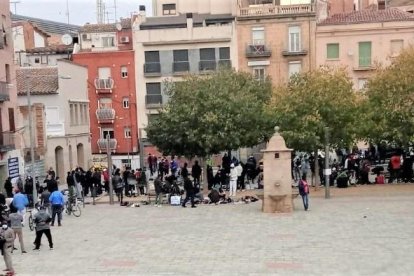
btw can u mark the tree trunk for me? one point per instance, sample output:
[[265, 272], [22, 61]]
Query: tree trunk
[[204, 175], [317, 179]]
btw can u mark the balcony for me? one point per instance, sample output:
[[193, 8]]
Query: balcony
[[4, 91], [290, 53], [253, 51], [275, 10], [102, 145], [105, 115], [224, 63], [207, 65], [55, 129], [152, 69], [104, 86], [364, 64], [181, 67], [153, 101], [7, 141]]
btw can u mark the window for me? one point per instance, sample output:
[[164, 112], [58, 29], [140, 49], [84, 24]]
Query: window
[[396, 47], [154, 88], [332, 51], [208, 54], [181, 63], [12, 124], [259, 73], [152, 56], [258, 36], [224, 53], [8, 77], [168, 9], [127, 132], [180, 55], [108, 41], [108, 131], [152, 62], [294, 67], [364, 54], [124, 72], [44, 59], [104, 73], [76, 117], [105, 103], [37, 60], [362, 83], [125, 102], [3, 34], [294, 39], [72, 113]]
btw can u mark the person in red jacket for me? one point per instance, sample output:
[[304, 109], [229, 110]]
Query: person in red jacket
[[394, 167], [304, 191]]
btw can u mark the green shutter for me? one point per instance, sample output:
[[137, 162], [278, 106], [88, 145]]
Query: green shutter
[[364, 54], [332, 51]]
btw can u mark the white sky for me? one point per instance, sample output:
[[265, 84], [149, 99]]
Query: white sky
[[80, 11]]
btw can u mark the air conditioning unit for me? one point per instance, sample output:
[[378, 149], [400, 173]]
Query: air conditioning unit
[[125, 39], [86, 37]]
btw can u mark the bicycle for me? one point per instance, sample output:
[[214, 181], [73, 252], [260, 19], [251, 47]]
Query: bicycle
[[72, 206]]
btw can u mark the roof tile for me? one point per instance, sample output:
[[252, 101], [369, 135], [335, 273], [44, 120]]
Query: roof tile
[[41, 81]]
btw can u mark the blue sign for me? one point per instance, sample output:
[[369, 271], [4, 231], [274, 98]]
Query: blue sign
[[13, 166]]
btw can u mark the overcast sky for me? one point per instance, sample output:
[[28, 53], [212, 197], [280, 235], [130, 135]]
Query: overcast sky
[[80, 11]]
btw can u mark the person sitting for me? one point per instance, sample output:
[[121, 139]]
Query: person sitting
[[380, 179]]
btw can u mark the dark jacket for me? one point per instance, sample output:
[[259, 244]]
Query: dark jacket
[[196, 171], [188, 185], [158, 185]]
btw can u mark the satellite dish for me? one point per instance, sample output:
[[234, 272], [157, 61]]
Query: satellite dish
[[118, 26], [67, 39]]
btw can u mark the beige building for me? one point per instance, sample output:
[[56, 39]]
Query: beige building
[[276, 38], [360, 39], [60, 109], [9, 126]]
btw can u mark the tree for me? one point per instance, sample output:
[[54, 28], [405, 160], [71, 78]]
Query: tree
[[389, 106], [312, 101], [211, 113]]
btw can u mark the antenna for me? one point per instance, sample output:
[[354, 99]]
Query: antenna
[[67, 11], [116, 19], [15, 5], [99, 12]]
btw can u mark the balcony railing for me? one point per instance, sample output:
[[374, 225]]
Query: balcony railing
[[105, 115], [153, 101], [104, 85], [4, 91], [291, 53], [254, 50], [102, 145], [207, 65], [224, 63], [152, 69], [181, 66], [7, 141], [55, 129], [269, 9]]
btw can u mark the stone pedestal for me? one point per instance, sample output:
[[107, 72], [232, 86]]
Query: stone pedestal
[[277, 192]]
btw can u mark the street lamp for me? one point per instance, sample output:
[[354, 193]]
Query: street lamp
[[31, 134]]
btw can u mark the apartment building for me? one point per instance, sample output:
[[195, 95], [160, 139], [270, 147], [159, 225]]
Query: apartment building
[[276, 38], [11, 162], [60, 108], [361, 39], [173, 44], [107, 51]]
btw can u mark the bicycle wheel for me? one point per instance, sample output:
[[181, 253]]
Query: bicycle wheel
[[67, 208], [31, 224], [76, 210]]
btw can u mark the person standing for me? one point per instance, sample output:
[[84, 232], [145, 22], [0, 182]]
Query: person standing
[[44, 200], [57, 201], [189, 190], [233, 180], [304, 192], [240, 181], [8, 187], [7, 237], [173, 166], [51, 172], [118, 185], [19, 184], [16, 225], [184, 170], [158, 190], [20, 202], [196, 173], [42, 220], [150, 165]]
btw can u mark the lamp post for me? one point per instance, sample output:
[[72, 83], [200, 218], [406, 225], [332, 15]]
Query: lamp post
[[108, 152]]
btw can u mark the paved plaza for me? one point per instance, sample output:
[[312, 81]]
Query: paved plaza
[[370, 234]]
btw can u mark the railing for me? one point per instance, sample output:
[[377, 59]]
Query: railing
[[181, 66], [104, 85], [224, 63], [7, 141], [55, 129], [153, 101], [105, 115], [287, 53], [255, 50], [264, 10], [365, 62], [102, 144], [207, 65], [152, 68], [4, 91]]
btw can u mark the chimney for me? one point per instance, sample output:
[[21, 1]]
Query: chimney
[[189, 17], [142, 14]]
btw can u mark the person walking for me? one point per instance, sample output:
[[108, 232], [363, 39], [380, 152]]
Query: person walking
[[304, 191], [233, 180], [7, 238], [189, 190], [57, 201], [158, 190], [44, 200], [16, 225], [42, 220], [8, 187]]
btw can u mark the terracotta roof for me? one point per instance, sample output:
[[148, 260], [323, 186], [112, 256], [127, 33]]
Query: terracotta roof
[[105, 28], [58, 49], [368, 16], [42, 80]]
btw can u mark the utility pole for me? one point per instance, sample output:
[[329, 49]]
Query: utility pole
[[327, 169], [141, 149], [15, 5], [108, 152]]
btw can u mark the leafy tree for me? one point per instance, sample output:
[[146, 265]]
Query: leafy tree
[[207, 114], [389, 106], [312, 101]]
